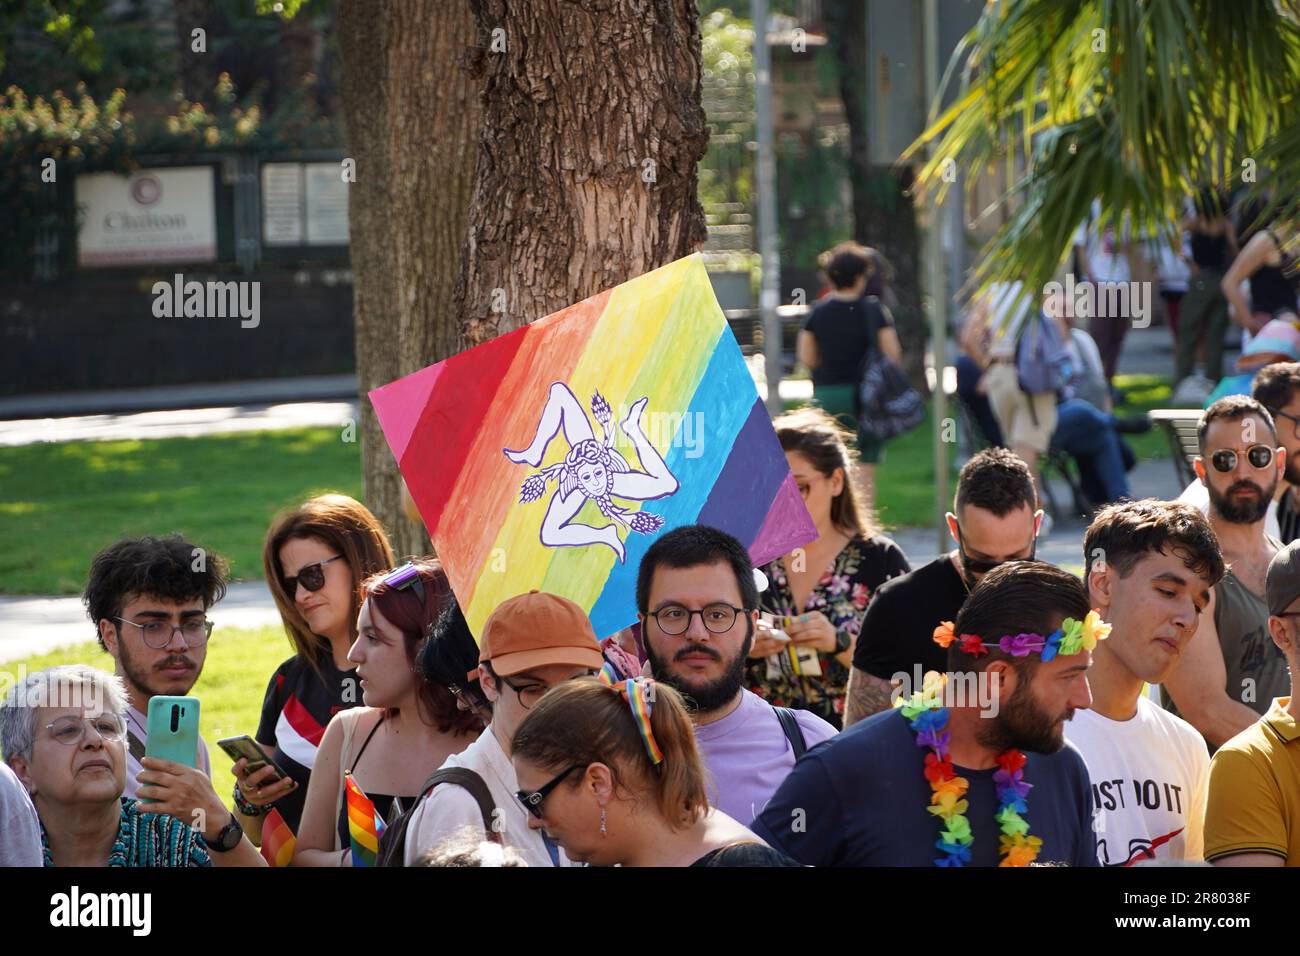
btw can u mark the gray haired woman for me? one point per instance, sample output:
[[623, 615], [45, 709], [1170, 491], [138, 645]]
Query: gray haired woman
[[63, 733]]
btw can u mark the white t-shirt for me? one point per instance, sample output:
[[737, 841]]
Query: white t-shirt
[[1104, 248], [449, 808], [1149, 780]]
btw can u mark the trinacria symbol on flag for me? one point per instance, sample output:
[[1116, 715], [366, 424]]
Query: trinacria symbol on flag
[[593, 469]]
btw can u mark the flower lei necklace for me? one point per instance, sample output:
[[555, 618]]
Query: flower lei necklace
[[928, 718]]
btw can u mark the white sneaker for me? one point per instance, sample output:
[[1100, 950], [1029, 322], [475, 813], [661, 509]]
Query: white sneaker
[[1192, 391]]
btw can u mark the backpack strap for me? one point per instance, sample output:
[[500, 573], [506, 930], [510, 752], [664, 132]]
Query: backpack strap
[[477, 787], [134, 744], [793, 732]]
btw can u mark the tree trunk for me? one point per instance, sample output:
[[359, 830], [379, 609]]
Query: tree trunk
[[586, 177], [411, 109], [883, 214]]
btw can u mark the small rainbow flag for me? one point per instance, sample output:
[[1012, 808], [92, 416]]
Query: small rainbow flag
[[365, 825], [552, 456], [278, 840]]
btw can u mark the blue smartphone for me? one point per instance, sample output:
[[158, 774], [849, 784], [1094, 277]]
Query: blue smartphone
[[174, 730]]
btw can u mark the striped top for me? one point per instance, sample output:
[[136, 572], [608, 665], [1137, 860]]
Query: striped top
[[148, 839]]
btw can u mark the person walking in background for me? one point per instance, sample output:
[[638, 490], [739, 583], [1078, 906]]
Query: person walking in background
[[1101, 257], [314, 559], [1270, 272], [845, 326], [822, 589], [1203, 318]]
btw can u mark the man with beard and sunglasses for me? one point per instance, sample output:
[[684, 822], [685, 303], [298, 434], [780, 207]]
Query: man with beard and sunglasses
[[974, 771], [1231, 670], [697, 600], [148, 598], [995, 518]]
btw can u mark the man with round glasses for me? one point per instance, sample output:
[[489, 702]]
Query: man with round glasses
[[1231, 670], [148, 598], [697, 600]]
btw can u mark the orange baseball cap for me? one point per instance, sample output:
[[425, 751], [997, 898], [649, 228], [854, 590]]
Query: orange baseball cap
[[535, 630]]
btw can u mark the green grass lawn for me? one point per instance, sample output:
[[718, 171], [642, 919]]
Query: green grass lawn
[[61, 503], [238, 665]]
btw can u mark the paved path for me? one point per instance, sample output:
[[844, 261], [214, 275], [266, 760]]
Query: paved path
[[34, 625]]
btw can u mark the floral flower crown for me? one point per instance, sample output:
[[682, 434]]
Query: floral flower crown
[[1068, 639]]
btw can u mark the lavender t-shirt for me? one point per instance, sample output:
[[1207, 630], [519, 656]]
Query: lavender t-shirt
[[748, 755]]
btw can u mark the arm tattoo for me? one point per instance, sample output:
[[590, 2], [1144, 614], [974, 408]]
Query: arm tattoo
[[867, 695]]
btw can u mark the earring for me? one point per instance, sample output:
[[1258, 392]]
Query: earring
[[603, 831]]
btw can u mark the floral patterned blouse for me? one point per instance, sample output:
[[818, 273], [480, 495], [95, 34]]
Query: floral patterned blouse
[[842, 595]]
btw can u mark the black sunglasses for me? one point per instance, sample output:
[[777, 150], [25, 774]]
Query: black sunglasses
[[1225, 459], [533, 801], [984, 566], [312, 577]]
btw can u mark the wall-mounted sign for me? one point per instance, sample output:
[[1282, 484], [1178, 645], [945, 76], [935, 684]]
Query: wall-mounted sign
[[153, 216], [304, 204]]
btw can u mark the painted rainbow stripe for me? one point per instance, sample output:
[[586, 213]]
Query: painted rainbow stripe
[[661, 336], [364, 825], [278, 841]]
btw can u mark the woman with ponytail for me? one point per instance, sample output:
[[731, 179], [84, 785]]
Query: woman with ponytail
[[612, 773]]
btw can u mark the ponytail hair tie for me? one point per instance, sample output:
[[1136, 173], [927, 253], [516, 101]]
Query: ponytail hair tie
[[638, 693]]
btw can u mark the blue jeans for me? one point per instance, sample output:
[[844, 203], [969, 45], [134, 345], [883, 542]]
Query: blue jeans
[[1088, 435]]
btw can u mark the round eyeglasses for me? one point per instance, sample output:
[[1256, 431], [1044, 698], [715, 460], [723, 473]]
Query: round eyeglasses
[[717, 618], [1225, 459], [158, 634], [71, 731]]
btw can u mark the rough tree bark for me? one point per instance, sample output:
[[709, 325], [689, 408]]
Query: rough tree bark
[[411, 108], [883, 214], [586, 176]]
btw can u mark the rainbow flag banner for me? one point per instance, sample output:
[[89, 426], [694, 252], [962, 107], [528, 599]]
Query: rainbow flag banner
[[365, 825], [552, 456], [278, 840]]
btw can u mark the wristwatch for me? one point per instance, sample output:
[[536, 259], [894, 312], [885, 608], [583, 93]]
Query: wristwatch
[[228, 838]]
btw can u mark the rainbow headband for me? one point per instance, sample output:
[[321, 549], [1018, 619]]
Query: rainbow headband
[[639, 694], [1070, 638]]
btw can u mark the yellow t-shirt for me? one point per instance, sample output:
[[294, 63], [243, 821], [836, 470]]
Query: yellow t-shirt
[[1254, 802]]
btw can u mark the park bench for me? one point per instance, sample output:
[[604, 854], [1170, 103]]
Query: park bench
[[1179, 426]]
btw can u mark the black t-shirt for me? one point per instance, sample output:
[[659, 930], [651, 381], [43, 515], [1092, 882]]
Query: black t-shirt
[[898, 630], [745, 854], [845, 332], [298, 706]]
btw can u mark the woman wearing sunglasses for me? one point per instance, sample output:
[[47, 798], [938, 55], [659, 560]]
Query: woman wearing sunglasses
[[613, 775], [314, 559], [374, 759]]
